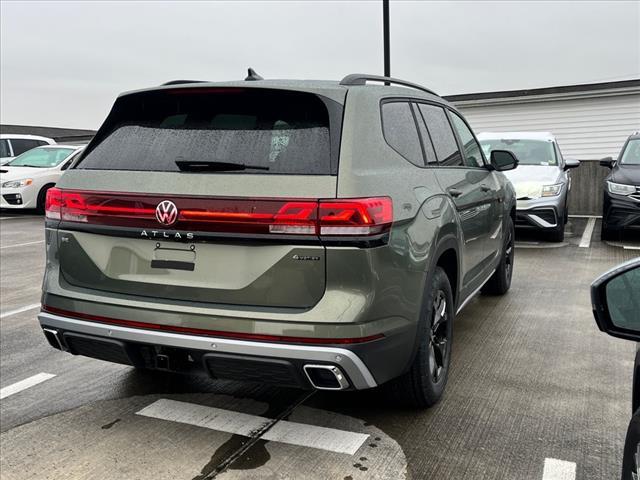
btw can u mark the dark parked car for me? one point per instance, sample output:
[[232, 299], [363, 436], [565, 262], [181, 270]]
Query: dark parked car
[[621, 208], [615, 297]]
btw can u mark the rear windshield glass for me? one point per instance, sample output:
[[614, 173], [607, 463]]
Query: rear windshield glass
[[262, 131]]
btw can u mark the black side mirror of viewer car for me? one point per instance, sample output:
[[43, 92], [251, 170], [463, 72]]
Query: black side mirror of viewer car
[[607, 162], [502, 160], [615, 299], [571, 163]]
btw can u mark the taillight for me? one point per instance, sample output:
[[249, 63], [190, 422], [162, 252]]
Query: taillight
[[53, 203], [361, 216], [339, 217]]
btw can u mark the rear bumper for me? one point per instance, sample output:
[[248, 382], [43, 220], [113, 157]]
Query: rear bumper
[[266, 362]]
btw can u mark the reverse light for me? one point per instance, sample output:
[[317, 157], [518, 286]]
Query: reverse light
[[18, 183], [551, 190], [53, 203], [621, 188]]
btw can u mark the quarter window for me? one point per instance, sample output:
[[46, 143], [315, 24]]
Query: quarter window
[[444, 142], [472, 152], [399, 128], [4, 149]]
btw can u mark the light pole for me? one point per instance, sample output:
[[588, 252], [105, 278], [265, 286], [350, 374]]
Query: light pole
[[385, 33]]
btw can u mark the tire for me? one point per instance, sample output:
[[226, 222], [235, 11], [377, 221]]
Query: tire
[[609, 234], [42, 196], [500, 281], [423, 385], [557, 234]]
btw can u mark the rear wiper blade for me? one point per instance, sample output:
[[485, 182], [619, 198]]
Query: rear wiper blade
[[203, 165]]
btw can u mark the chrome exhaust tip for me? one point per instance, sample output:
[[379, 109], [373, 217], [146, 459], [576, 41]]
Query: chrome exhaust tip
[[326, 377], [54, 339]]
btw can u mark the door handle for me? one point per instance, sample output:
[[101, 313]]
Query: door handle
[[454, 192], [485, 188]]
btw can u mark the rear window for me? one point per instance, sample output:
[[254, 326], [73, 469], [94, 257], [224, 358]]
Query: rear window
[[267, 131]]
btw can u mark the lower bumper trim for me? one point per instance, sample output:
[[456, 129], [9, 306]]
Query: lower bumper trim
[[348, 361]]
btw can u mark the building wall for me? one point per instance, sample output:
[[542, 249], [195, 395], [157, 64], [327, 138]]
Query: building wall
[[587, 128]]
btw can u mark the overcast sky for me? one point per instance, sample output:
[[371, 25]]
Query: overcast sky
[[63, 63]]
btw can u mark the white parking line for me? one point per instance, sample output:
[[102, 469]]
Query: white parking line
[[26, 308], [329, 439], [585, 241], [12, 218], [21, 244], [24, 384], [558, 470]]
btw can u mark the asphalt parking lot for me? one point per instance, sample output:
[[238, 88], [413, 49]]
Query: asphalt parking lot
[[535, 392]]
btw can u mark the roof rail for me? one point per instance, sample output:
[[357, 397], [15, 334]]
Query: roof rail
[[361, 79], [180, 82]]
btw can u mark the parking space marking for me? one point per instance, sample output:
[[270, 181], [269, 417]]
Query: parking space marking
[[21, 244], [24, 384], [19, 310], [330, 439], [555, 469], [585, 241]]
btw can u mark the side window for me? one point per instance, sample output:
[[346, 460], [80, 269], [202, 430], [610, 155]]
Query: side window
[[40, 143], [22, 145], [427, 141], [4, 149], [472, 151], [399, 129], [440, 133]]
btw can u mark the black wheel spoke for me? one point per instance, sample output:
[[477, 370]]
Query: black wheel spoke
[[438, 336]]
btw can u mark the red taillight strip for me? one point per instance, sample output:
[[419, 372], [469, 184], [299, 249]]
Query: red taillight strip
[[225, 215], [210, 333]]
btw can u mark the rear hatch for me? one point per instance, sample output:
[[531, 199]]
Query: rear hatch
[[203, 194]]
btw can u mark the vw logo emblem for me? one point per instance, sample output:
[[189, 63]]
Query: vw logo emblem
[[167, 212]]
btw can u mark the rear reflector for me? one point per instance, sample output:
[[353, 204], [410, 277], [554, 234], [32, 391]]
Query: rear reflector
[[210, 333], [339, 217]]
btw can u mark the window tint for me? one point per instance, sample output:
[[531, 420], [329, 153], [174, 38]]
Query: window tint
[[472, 152], [400, 132], [278, 132], [427, 141], [4, 149], [22, 145], [441, 135]]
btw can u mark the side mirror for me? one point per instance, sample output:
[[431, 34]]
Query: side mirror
[[503, 160], [571, 163], [607, 162], [615, 298]]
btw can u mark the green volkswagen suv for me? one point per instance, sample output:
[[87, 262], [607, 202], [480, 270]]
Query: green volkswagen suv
[[311, 234]]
